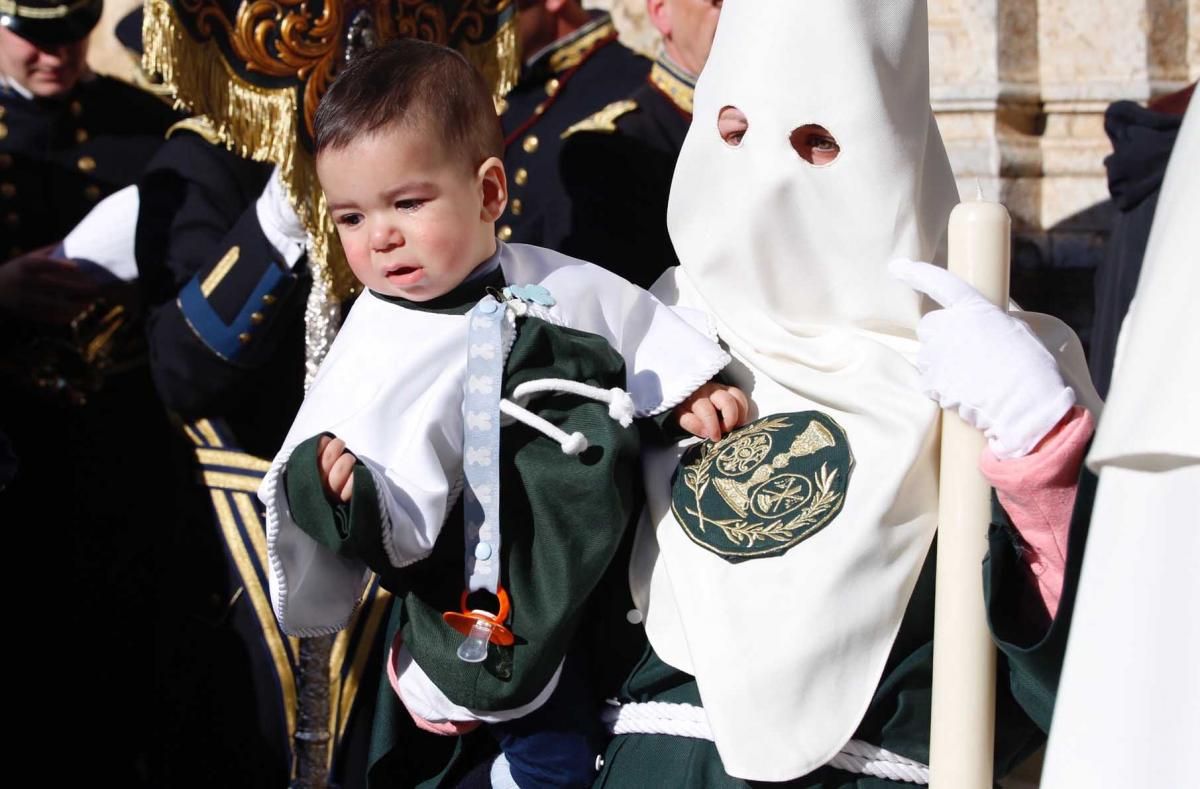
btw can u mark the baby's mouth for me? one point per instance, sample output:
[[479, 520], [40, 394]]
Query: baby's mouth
[[404, 275]]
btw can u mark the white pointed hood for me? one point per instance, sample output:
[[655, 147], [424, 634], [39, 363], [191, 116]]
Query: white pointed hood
[[790, 262]]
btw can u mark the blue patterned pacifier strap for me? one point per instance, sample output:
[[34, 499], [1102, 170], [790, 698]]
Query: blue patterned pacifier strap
[[481, 444]]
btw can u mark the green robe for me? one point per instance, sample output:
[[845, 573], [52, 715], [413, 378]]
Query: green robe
[[562, 522], [897, 719]]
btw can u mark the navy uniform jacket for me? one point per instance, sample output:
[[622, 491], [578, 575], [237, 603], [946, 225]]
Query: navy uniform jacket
[[226, 324], [617, 167], [58, 157], [559, 87], [86, 491]]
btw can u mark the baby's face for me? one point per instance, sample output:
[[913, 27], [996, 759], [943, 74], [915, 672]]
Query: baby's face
[[410, 216]]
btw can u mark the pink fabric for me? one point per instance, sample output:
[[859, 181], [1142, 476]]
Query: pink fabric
[[1038, 493], [446, 728]]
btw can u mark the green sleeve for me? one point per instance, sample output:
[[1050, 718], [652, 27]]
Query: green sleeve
[[353, 529], [1034, 650]]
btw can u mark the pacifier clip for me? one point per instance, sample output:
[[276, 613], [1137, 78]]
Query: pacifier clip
[[482, 407]]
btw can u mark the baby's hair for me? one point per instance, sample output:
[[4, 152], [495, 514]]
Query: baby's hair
[[417, 85]]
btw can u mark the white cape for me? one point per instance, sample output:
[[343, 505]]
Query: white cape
[[392, 388], [1128, 707]]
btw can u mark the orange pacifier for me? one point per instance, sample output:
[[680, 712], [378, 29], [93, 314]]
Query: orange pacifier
[[480, 627]]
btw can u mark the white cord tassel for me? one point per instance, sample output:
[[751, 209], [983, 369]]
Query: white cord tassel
[[571, 444], [620, 408], [620, 404]]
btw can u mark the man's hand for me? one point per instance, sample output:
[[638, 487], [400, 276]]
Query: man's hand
[[336, 465], [42, 289], [713, 410]]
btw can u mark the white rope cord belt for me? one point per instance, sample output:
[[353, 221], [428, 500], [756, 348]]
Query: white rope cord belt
[[686, 720]]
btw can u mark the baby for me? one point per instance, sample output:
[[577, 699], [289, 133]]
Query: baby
[[505, 373]]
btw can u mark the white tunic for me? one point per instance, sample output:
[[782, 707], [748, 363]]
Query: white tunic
[[392, 388]]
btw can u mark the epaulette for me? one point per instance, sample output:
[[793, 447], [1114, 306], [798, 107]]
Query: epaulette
[[603, 121], [198, 124]]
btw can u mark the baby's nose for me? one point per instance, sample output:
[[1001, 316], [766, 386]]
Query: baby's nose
[[385, 236]]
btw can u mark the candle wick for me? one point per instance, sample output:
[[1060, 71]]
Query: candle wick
[[978, 191]]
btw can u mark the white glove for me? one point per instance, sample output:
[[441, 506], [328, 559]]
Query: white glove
[[984, 363], [279, 222]]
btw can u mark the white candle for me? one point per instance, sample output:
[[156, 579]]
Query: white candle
[[964, 658]]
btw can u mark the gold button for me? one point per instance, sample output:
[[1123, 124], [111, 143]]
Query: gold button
[[552, 87], [521, 176], [8, 190], [3, 131], [76, 109], [3, 111], [244, 337], [86, 164], [539, 109], [504, 233], [268, 298], [516, 206], [92, 193], [81, 135], [5, 161], [530, 144], [256, 318], [12, 219]]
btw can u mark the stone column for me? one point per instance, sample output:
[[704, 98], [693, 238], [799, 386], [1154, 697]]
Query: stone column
[[984, 87]]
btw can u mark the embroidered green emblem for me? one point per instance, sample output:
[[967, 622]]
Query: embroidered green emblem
[[765, 487]]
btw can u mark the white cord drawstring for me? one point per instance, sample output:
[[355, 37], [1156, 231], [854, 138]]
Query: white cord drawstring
[[620, 404], [620, 408]]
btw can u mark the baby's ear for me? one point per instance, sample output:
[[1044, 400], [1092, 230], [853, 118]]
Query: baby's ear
[[493, 186]]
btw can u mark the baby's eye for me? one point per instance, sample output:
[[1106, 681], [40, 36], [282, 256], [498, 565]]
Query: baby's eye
[[348, 220], [410, 204]]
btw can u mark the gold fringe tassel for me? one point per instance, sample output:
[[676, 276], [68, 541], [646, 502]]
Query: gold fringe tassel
[[256, 123]]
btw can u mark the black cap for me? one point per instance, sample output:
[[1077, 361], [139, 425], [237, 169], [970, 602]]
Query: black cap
[[49, 22]]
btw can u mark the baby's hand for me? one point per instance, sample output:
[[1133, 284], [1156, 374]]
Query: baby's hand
[[713, 410], [336, 464]]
